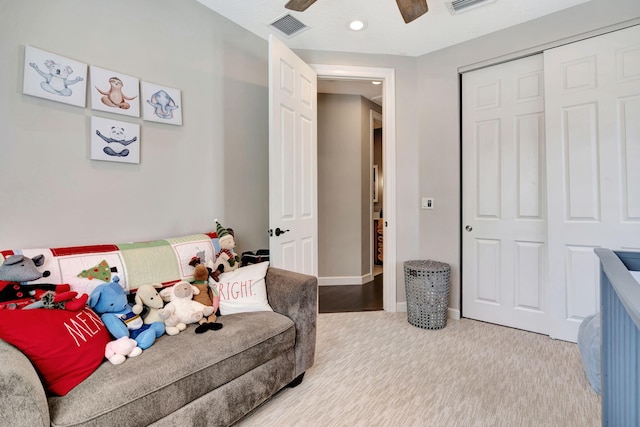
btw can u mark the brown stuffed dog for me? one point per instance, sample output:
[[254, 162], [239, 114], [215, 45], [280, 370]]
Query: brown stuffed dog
[[207, 296]]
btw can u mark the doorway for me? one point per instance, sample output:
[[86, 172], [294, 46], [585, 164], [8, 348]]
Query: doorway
[[387, 77], [350, 179]]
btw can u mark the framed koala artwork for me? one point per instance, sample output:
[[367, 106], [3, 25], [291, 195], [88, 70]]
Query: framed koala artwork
[[54, 77], [115, 141], [161, 104], [114, 92]]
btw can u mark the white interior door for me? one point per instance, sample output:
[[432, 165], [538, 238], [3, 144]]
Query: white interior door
[[504, 210], [293, 182], [593, 159]]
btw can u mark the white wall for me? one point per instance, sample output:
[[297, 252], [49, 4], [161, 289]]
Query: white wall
[[439, 106], [339, 186], [214, 166], [428, 125]]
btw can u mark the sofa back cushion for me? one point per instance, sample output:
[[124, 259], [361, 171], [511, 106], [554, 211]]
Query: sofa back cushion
[[163, 261]]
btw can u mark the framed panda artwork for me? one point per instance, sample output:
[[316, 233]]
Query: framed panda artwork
[[115, 141]]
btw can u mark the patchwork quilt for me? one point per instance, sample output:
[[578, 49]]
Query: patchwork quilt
[[159, 261]]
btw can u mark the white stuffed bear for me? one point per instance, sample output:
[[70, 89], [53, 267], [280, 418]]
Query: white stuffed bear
[[182, 309], [117, 351]]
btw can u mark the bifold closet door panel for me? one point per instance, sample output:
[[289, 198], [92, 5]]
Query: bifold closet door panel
[[592, 109]]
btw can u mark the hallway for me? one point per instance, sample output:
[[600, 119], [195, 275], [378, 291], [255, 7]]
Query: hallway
[[348, 298]]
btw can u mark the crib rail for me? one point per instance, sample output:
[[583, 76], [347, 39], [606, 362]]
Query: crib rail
[[620, 311]]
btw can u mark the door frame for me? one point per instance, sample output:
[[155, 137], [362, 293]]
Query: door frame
[[373, 116], [387, 76]]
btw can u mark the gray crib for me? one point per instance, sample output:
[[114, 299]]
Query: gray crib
[[620, 310]]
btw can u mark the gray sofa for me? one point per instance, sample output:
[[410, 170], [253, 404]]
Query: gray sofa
[[210, 379]]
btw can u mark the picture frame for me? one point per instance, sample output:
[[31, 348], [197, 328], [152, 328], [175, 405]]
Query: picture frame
[[54, 77], [114, 92], [161, 104], [115, 141]]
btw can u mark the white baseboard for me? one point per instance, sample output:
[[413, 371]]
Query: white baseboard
[[452, 313], [345, 280]]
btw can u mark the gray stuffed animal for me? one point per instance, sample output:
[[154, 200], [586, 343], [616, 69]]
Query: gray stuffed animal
[[18, 269]]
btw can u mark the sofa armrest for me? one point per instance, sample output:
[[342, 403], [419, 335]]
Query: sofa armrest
[[295, 295], [23, 402]]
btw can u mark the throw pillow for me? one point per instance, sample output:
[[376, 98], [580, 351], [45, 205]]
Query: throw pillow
[[244, 290], [64, 346]]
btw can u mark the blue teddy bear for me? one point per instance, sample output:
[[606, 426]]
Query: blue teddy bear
[[110, 302]]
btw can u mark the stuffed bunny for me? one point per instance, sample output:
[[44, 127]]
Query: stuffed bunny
[[117, 351]]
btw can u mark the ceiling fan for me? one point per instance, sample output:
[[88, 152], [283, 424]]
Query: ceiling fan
[[410, 9]]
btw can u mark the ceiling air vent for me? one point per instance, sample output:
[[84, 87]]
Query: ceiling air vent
[[288, 25], [459, 6]]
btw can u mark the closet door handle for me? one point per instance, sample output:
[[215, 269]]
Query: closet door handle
[[468, 228]]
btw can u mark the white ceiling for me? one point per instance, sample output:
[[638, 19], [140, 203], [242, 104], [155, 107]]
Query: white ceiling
[[386, 32]]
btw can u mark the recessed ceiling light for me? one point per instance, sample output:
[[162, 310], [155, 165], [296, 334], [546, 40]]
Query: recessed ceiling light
[[357, 25], [376, 82]]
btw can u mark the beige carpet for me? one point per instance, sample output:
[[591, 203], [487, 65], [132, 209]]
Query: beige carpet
[[375, 369]]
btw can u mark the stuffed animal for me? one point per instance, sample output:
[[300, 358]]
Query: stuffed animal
[[110, 302], [147, 296], [226, 256], [62, 300], [207, 296], [181, 307], [117, 351], [17, 269]]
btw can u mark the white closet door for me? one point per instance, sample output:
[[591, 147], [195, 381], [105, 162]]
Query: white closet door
[[593, 163], [504, 210]]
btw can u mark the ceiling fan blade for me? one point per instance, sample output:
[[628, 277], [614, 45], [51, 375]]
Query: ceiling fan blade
[[299, 5], [412, 9]]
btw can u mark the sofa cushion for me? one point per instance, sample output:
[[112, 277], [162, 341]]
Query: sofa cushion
[[244, 290], [175, 371], [163, 261], [64, 346]]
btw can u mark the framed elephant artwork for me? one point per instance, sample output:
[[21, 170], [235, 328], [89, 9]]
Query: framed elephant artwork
[[114, 92], [161, 104], [54, 77]]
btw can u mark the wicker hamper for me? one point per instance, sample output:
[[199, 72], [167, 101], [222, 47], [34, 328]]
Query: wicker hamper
[[427, 287]]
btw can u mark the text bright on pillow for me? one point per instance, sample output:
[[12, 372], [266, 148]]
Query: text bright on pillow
[[244, 290]]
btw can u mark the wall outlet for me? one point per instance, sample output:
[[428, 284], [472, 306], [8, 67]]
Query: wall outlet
[[427, 203]]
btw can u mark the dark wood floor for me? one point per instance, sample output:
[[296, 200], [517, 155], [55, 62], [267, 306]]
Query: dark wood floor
[[345, 298]]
